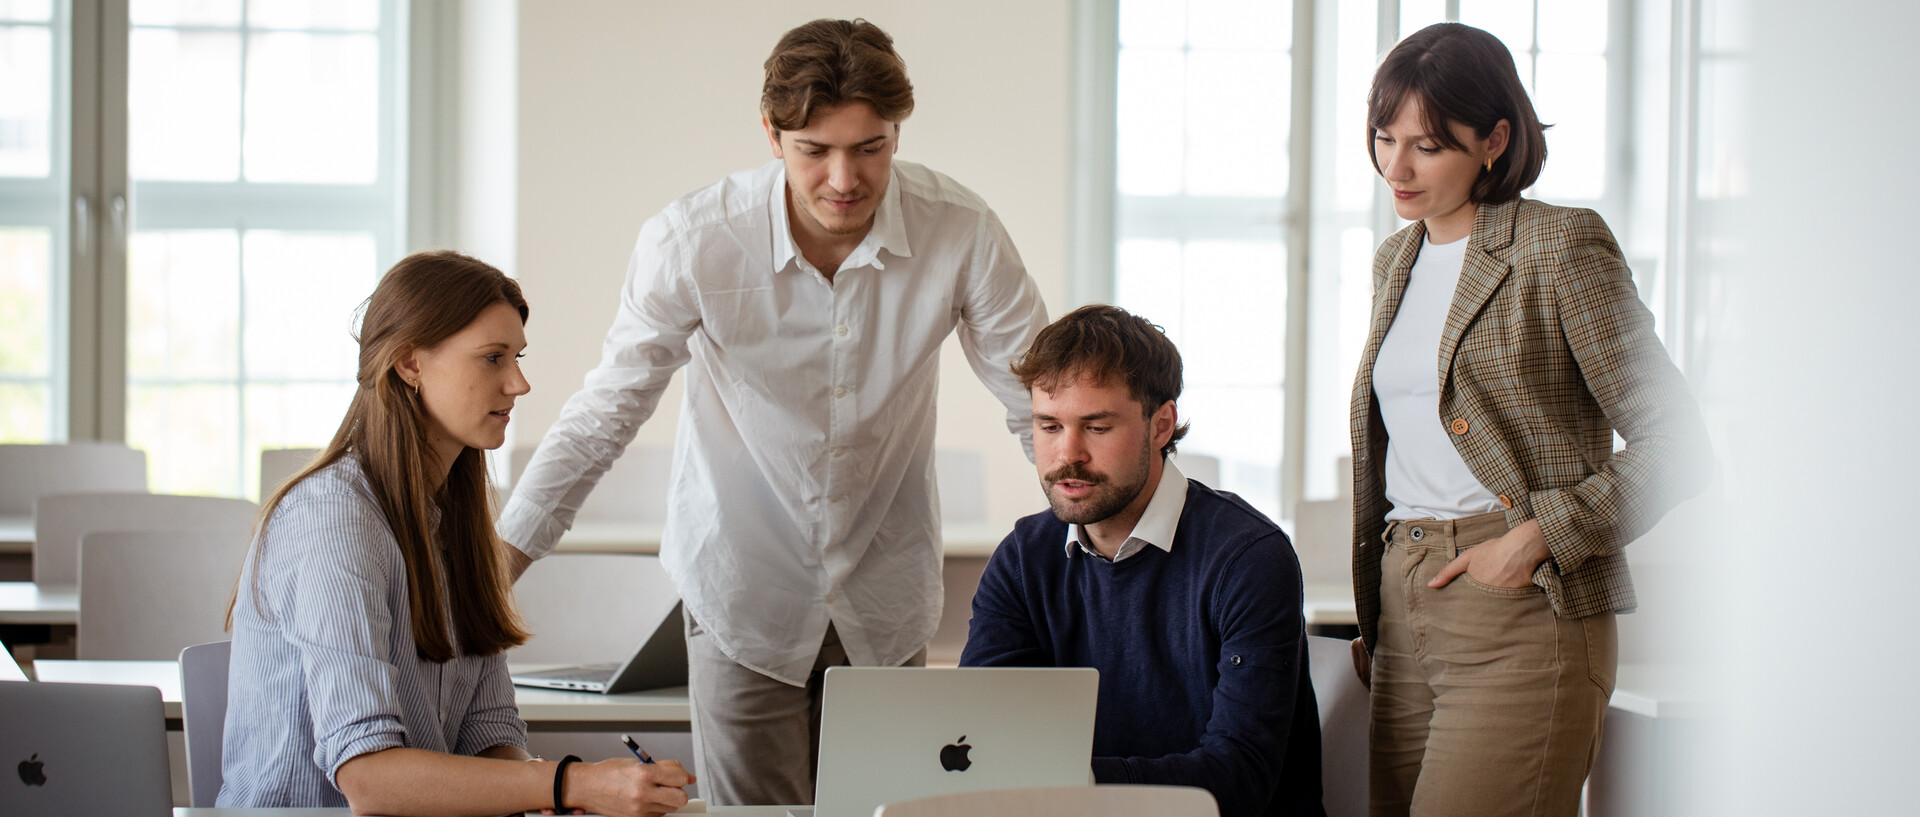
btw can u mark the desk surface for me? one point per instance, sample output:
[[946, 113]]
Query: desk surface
[[594, 536], [1663, 690], [537, 706], [29, 603], [16, 534]]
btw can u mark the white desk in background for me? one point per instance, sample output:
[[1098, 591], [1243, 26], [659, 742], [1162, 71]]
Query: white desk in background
[[1324, 603], [977, 539], [1657, 721], [544, 710], [29, 603], [16, 534]]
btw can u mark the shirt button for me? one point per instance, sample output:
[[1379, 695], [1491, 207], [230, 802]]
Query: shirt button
[[831, 597], [1460, 425], [839, 452], [840, 391], [840, 330]]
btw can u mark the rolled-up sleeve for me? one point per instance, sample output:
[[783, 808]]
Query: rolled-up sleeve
[[337, 618], [492, 718]]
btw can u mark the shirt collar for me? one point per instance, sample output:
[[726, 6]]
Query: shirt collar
[[1157, 523], [889, 230]]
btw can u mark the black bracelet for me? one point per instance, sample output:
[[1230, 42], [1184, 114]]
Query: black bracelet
[[559, 774]]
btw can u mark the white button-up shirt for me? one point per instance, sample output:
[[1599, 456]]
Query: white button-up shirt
[[803, 482]]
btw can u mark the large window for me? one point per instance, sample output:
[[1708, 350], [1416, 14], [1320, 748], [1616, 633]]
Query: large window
[[263, 155], [235, 187], [1266, 284], [34, 38], [1201, 182]]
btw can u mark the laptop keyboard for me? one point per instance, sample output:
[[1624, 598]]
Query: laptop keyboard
[[601, 673]]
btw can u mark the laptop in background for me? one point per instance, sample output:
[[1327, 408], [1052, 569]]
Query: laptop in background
[[73, 749], [659, 661], [889, 734]]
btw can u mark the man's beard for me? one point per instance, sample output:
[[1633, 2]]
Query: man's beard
[[1107, 498]]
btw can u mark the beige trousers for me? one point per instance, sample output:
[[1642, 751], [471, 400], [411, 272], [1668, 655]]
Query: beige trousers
[[1484, 702], [756, 740]]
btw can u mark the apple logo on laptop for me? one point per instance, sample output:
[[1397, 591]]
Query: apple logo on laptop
[[30, 773], [953, 756]]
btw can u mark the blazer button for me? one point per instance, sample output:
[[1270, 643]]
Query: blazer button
[[1505, 502], [1460, 425], [1235, 660]]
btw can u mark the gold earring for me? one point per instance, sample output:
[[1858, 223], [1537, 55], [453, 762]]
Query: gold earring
[[1489, 165], [416, 388]]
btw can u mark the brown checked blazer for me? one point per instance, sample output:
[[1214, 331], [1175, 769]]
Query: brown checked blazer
[[1546, 351]]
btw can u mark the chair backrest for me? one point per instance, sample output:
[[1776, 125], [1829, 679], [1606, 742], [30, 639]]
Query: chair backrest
[[590, 608], [963, 485], [28, 472], [1062, 801], [146, 595], [10, 669], [633, 490], [1323, 539], [1343, 726], [1203, 467], [61, 519], [277, 464], [203, 716]]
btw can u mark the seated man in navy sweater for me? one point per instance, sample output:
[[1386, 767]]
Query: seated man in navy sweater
[[1185, 598]]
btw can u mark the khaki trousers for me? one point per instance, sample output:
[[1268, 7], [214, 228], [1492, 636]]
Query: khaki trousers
[[1484, 702], [756, 741]]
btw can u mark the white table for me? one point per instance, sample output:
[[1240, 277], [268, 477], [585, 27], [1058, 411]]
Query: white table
[[589, 536], [1656, 722], [16, 534], [29, 603], [544, 710]]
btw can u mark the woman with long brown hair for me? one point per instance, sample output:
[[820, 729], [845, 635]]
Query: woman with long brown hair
[[1507, 347], [372, 616]]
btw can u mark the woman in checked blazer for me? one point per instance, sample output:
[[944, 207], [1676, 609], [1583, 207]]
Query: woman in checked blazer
[[1507, 345]]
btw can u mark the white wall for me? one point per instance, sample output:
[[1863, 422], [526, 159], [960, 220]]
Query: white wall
[[1809, 609], [626, 106]]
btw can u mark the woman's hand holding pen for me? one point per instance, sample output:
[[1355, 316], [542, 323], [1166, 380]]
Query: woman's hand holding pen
[[626, 786], [621, 787]]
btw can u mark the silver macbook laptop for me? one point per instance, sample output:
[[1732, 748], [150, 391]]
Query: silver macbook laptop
[[83, 749], [659, 661], [889, 734]]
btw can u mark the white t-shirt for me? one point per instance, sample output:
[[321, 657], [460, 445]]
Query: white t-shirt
[[1425, 475]]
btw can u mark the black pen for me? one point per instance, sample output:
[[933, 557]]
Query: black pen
[[635, 748]]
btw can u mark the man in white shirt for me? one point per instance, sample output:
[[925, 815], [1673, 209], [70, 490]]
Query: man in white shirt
[[808, 300]]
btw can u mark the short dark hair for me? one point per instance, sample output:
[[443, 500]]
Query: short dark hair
[[828, 63], [1462, 74], [1097, 343]]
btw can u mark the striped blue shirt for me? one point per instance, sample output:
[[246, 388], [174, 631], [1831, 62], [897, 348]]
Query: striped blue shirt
[[323, 666]]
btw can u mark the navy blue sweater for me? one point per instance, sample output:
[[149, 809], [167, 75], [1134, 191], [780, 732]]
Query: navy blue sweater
[[1201, 651]]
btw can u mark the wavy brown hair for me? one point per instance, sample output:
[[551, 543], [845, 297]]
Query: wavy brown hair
[[828, 63], [1100, 343], [423, 300]]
